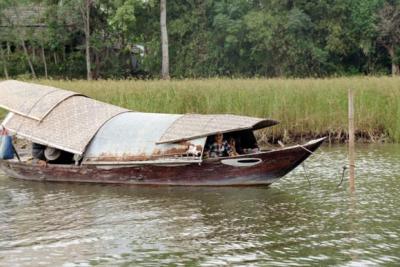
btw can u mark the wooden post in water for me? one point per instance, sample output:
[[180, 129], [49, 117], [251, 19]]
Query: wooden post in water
[[351, 140]]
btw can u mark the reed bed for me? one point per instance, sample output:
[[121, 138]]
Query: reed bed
[[305, 107]]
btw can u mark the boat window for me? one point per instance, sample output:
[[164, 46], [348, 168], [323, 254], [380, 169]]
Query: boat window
[[51, 155], [240, 143]]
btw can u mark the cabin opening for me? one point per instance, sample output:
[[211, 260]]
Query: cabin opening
[[42, 153], [232, 144]]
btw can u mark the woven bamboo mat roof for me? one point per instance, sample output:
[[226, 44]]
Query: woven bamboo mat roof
[[70, 126], [192, 126], [31, 100]]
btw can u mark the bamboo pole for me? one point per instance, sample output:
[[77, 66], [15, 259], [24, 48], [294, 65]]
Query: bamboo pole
[[351, 141]]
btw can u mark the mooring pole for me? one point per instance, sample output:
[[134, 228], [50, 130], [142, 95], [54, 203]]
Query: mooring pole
[[351, 140]]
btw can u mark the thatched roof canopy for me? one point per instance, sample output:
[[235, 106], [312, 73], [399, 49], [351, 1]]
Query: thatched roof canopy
[[192, 126]]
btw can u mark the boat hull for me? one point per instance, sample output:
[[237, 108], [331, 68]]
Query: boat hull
[[268, 167]]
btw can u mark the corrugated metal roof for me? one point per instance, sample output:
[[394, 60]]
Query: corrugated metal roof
[[192, 126], [31, 100], [70, 126], [132, 136]]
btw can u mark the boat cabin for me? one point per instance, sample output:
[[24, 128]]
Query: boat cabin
[[69, 128], [77, 139]]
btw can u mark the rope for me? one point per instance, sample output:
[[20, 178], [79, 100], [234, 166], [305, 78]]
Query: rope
[[343, 172], [305, 173], [344, 168], [304, 165], [306, 149]]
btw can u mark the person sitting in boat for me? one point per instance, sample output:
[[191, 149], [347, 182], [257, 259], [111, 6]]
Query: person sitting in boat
[[38, 151], [43, 154], [232, 144], [38, 154], [220, 147]]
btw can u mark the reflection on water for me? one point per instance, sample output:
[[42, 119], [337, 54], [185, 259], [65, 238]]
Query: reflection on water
[[290, 223]]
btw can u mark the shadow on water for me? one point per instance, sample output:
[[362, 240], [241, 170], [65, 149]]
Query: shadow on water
[[62, 198], [154, 222], [287, 224]]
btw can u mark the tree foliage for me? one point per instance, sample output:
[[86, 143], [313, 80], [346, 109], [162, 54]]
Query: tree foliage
[[302, 38]]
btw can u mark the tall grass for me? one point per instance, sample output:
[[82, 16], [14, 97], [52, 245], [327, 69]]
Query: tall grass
[[305, 107]]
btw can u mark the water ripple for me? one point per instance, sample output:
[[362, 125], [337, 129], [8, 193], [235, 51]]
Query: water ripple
[[289, 224]]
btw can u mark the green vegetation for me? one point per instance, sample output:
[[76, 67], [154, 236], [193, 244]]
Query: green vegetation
[[239, 38], [113, 39], [2, 113], [305, 107]]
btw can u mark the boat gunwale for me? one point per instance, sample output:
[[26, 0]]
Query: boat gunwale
[[177, 162]]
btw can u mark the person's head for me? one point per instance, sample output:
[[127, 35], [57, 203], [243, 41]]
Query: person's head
[[219, 137], [232, 141]]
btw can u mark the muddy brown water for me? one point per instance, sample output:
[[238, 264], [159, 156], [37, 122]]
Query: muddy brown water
[[287, 224]]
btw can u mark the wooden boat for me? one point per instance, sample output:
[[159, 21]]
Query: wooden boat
[[109, 144]]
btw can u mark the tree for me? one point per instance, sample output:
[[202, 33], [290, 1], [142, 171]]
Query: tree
[[164, 40], [85, 12], [4, 61], [43, 54], [389, 32], [302, 38], [363, 28], [2, 37], [22, 33]]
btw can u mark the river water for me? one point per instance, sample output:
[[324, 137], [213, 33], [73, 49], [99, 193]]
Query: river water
[[288, 224]]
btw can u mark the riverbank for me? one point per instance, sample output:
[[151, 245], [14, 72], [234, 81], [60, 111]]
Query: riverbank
[[306, 108]]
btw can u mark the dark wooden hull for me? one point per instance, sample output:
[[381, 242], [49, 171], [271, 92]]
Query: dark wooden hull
[[273, 165]]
